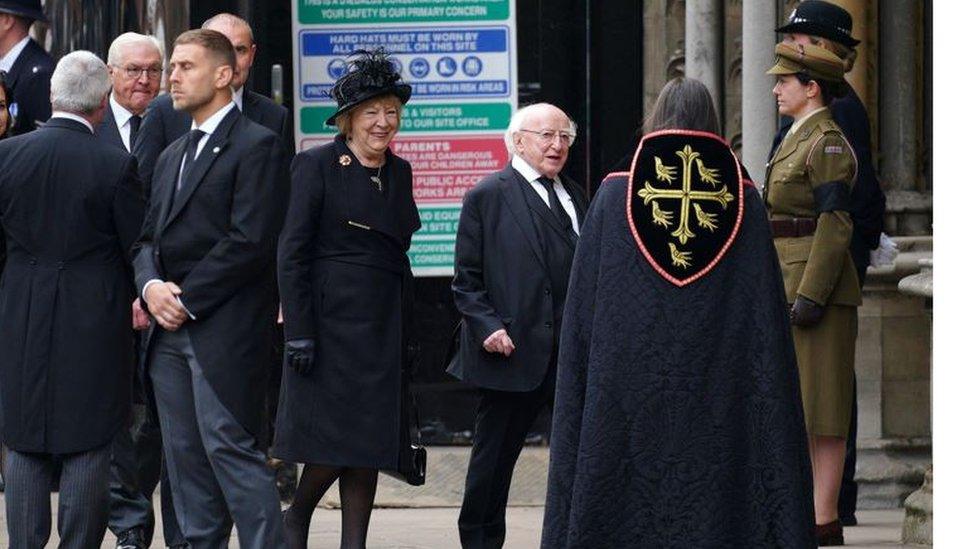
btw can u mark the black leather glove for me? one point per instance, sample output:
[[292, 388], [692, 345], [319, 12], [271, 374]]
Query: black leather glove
[[300, 355], [806, 312]]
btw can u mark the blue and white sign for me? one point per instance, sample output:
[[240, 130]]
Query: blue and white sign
[[443, 62]]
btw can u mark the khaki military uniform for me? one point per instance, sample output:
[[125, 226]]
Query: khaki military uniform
[[809, 178]]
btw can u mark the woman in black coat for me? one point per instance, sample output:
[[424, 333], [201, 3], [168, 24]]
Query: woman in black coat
[[343, 267]]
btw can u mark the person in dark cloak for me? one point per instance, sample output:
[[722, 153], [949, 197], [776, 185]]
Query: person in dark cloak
[[678, 419]]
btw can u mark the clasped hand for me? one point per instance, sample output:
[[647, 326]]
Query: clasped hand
[[806, 312], [499, 342], [164, 304]]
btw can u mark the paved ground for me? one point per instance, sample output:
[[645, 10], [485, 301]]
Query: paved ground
[[426, 517]]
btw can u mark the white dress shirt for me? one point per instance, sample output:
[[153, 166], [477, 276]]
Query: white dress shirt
[[8, 60], [238, 98], [122, 118], [207, 127], [532, 176], [73, 116]]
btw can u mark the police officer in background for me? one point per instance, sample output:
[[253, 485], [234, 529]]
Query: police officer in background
[[819, 23], [808, 195], [27, 65]]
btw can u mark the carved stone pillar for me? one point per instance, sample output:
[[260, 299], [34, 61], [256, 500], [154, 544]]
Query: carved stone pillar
[[758, 105], [703, 38], [899, 91]]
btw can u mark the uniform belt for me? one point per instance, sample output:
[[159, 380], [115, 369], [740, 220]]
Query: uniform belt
[[792, 228]]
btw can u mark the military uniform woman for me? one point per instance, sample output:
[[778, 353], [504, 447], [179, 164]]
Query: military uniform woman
[[342, 266], [808, 189]]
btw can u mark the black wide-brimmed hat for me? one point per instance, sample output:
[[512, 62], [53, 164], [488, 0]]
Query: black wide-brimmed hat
[[31, 9], [822, 19], [370, 75]]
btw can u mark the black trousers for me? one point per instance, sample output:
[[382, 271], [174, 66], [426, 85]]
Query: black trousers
[[502, 422]]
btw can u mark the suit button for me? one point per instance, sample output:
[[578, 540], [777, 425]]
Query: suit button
[[548, 291], [549, 325], [33, 261], [156, 253], [60, 265]]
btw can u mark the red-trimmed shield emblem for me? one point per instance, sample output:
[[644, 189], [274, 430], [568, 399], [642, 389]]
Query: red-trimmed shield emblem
[[684, 202]]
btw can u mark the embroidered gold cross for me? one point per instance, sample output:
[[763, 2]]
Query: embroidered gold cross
[[686, 195]]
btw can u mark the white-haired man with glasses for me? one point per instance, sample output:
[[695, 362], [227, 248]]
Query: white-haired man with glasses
[[516, 239]]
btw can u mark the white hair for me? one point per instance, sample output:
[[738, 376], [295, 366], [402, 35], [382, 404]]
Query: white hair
[[515, 124], [230, 19], [79, 83], [129, 39]]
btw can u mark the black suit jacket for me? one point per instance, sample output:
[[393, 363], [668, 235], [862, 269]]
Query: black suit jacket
[[501, 281], [108, 131], [163, 124], [70, 209], [216, 239], [29, 80], [868, 201]]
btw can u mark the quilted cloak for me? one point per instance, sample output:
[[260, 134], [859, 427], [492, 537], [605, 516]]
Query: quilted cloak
[[678, 420]]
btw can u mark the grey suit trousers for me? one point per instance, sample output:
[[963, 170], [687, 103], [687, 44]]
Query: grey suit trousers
[[218, 474], [82, 498]]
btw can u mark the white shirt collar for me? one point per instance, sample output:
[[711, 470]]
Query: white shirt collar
[[121, 114], [73, 116], [238, 98], [210, 125], [521, 166], [7, 61]]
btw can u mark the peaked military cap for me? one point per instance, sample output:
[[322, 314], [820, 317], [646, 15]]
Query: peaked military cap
[[821, 19], [31, 9], [818, 63]]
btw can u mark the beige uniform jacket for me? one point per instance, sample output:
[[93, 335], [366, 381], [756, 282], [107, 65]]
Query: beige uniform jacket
[[811, 176]]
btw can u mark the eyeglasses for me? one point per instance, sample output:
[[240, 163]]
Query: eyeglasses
[[136, 72], [548, 136]]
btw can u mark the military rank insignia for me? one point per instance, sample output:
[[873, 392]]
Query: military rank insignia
[[684, 202]]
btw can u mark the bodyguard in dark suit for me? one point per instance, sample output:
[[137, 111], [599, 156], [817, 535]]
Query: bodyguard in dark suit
[[204, 264], [135, 66], [164, 124], [66, 354], [516, 238], [27, 65]]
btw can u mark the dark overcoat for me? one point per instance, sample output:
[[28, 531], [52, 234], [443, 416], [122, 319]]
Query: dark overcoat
[[342, 265], [501, 280], [163, 124], [70, 209], [216, 240], [677, 419], [29, 80]]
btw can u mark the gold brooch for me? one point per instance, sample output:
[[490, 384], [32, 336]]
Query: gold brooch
[[345, 160]]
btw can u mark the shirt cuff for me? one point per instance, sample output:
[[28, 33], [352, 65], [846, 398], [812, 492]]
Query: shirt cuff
[[147, 285], [154, 281]]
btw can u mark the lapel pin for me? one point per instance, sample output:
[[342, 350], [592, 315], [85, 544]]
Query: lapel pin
[[345, 160], [216, 150]]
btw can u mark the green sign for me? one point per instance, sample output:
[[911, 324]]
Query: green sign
[[347, 12], [428, 254], [439, 222], [425, 117]]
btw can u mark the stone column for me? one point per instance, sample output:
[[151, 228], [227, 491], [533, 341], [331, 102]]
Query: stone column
[[898, 88], [758, 105], [704, 31]]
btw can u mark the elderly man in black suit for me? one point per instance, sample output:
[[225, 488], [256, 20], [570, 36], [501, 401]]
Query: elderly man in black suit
[[70, 209], [135, 64], [515, 243], [27, 65], [204, 267]]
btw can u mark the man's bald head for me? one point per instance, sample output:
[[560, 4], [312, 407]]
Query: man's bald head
[[239, 32]]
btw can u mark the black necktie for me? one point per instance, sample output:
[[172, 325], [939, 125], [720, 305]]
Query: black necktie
[[190, 156], [134, 124], [557, 208]]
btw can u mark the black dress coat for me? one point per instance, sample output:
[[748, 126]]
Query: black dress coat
[[108, 131], [867, 199], [162, 124], [677, 418], [344, 280], [29, 80], [216, 240], [501, 281], [70, 209]]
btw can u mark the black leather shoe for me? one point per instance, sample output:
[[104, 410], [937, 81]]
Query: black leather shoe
[[131, 539], [830, 534], [849, 520]]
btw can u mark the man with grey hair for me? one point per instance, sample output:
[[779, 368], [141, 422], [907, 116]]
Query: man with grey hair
[[516, 238], [66, 354], [135, 64]]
